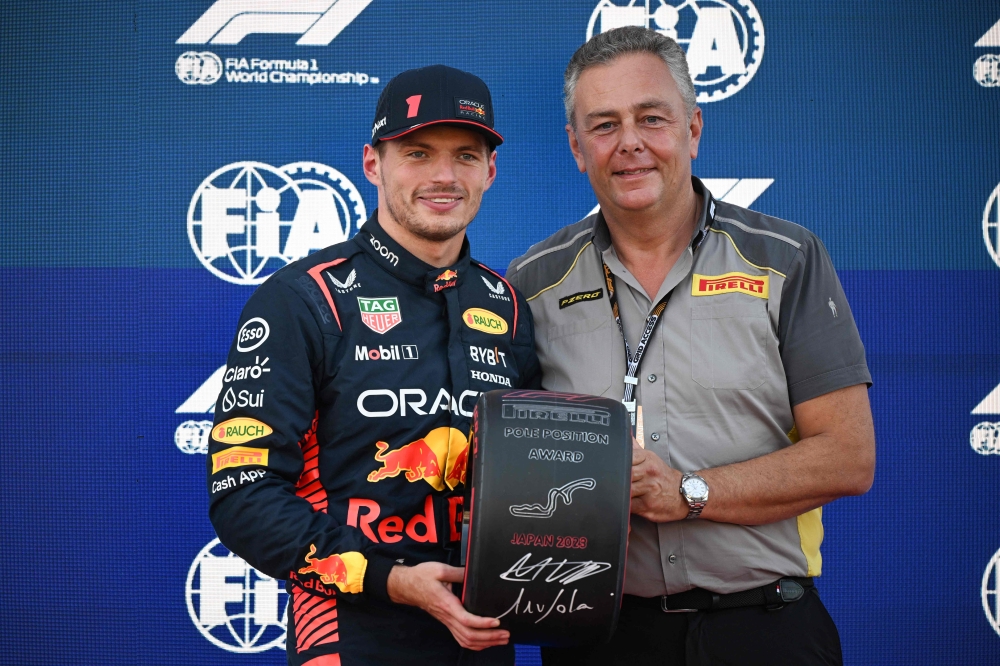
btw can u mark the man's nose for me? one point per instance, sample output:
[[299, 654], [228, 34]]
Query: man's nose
[[631, 139], [443, 171]]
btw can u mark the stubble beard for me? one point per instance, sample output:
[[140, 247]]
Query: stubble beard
[[405, 214]]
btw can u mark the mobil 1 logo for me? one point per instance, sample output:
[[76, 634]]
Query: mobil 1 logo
[[386, 353]]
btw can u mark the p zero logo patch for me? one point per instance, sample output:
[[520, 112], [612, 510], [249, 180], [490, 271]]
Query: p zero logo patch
[[240, 430], [579, 297], [710, 285], [238, 456], [485, 321]]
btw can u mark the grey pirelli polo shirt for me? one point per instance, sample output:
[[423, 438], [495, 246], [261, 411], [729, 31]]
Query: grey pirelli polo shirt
[[757, 322]]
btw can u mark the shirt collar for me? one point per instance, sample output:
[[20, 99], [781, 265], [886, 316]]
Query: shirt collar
[[398, 261], [602, 237]]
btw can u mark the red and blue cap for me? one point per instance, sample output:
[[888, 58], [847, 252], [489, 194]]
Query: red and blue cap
[[435, 95]]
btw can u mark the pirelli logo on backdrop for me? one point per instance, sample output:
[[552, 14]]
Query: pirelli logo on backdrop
[[238, 456], [710, 285]]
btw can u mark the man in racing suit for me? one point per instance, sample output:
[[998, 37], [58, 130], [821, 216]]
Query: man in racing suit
[[339, 462]]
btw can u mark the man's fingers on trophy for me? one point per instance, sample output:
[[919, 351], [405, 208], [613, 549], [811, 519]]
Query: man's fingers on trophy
[[450, 574]]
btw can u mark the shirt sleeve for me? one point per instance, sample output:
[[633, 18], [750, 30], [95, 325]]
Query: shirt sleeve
[[265, 498], [819, 342], [529, 369]]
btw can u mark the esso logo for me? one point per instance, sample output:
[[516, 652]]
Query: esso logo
[[252, 334]]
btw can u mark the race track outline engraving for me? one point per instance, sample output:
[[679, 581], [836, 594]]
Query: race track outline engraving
[[565, 492]]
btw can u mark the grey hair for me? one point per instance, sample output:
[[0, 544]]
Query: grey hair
[[604, 48]]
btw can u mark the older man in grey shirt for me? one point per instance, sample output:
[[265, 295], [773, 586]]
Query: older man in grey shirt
[[728, 336]]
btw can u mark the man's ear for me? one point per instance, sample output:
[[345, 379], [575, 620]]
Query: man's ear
[[694, 130], [492, 173], [574, 146], [371, 161]]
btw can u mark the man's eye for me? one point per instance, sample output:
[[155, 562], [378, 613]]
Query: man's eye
[[468, 157], [604, 127], [418, 153], [652, 120]]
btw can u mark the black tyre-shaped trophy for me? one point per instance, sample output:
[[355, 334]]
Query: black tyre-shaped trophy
[[547, 507]]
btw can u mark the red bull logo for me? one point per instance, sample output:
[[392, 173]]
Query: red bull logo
[[447, 279], [346, 570], [439, 458]]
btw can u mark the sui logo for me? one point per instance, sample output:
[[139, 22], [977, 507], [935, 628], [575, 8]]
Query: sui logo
[[724, 39], [198, 68], [248, 219], [234, 606]]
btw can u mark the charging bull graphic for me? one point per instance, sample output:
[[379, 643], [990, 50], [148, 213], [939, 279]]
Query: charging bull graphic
[[439, 458], [346, 570]]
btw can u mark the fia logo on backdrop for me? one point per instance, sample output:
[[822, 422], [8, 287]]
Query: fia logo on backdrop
[[227, 22], [234, 606], [986, 69], [990, 591], [248, 219], [724, 39]]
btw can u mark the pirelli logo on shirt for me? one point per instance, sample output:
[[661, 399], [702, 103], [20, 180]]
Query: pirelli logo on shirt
[[238, 456], [711, 285]]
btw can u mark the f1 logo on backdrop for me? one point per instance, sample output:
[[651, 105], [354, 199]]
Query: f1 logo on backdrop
[[318, 21], [724, 39], [234, 606], [248, 219]]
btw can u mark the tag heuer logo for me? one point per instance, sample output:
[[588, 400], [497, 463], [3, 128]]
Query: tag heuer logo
[[380, 314]]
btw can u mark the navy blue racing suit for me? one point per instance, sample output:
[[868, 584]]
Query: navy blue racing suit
[[339, 446]]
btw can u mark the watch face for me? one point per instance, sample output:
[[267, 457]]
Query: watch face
[[695, 487]]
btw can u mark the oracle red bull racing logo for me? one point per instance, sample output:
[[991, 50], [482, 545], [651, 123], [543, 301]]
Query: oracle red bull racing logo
[[440, 458], [345, 570]]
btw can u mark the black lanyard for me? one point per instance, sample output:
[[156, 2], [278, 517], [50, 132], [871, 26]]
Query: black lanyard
[[633, 361]]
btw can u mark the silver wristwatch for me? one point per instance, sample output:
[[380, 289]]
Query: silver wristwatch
[[694, 490]]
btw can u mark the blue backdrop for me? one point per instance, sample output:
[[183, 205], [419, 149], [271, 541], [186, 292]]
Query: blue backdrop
[[873, 124]]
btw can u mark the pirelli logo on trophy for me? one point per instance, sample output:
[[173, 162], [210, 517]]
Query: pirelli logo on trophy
[[711, 285]]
